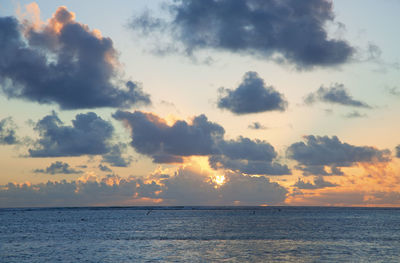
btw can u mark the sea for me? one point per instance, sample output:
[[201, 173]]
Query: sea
[[200, 234]]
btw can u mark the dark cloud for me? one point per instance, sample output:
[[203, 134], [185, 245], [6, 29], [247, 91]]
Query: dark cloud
[[393, 91], [63, 63], [320, 170], [152, 136], [335, 94], [248, 156], [295, 31], [251, 96], [398, 151], [7, 132], [167, 158], [89, 134], [104, 168], [257, 126], [244, 148], [318, 183], [115, 156], [330, 151], [374, 52], [248, 166], [355, 114], [58, 168]]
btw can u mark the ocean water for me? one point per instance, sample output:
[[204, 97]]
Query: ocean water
[[200, 234]]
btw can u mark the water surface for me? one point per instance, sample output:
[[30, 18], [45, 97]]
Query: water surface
[[200, 234]]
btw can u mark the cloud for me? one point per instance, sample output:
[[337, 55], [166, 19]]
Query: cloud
[[58, 168], [319, 183], [335, 94], [164, 143], [64, 63], [398, 151], [244, 148], [320, 170], [188, 187], [88, 135], [104, 168], [7, 132], [251, 96], [381, 197], [330, 151], [393, 91], [257, 126], [89, 191], [372, 53], [355, 114], [115, 156], [293, 31], [248, 156], [252, 190], [153, 137], [351, 198]]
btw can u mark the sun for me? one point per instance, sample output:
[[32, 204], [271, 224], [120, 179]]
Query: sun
[[219, 179], [200, 163]]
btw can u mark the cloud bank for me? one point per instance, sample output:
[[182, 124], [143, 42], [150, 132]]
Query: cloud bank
[[84, 192], [185, 187]]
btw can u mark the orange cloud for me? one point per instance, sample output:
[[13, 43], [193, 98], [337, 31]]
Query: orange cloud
[[369, 184], [60, 18], [30, 17]]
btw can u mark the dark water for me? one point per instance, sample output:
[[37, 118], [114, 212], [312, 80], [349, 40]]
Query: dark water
[[200, 234]]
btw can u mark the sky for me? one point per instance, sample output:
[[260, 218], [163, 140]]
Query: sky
[[210, 102]]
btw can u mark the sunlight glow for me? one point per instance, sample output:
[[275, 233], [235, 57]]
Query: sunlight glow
[[219, 179]]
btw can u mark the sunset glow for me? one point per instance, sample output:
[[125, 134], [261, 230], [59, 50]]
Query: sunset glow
[[165, 103], [219, 179]]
